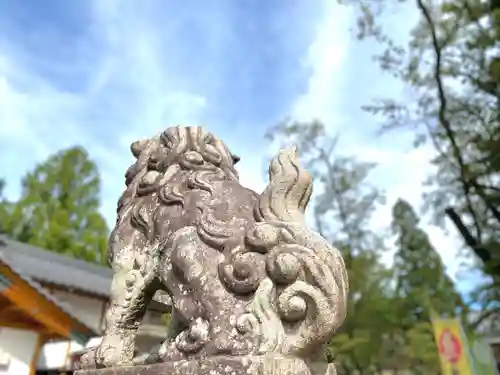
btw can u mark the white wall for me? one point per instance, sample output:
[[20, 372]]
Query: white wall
[[88, 310], [18, 347], [55, 355]]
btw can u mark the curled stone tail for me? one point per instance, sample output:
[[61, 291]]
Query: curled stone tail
[[289, 190], [306, 286]]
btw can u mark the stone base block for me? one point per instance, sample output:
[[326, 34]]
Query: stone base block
[[247, 365]]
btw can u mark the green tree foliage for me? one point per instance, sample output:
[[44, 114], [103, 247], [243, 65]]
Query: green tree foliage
[[420, 275], [4, 206], [58, 207], [422, 286], [451, 66]]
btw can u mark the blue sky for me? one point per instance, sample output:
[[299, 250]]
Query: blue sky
[[103, 73]]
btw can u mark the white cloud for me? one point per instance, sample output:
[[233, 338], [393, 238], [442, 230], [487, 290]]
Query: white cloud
[[401, 169], [32, 121], [132, 88], [326, 57], [127, 89]]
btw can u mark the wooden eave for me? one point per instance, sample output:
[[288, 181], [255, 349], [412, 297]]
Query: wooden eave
[[73, 290], [24, 304]]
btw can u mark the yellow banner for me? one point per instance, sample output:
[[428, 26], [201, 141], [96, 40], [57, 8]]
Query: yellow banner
[[452, 347]]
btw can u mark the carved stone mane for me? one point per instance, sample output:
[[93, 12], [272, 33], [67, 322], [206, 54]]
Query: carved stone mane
[[168, 185], [246, 277]]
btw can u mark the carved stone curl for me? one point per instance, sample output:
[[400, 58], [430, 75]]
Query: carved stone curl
[[252, 288]]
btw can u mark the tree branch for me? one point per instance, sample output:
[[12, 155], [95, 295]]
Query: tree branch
[[469, 239], [443, 107]]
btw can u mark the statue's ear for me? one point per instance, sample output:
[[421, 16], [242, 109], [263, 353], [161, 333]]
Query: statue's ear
[[236, 158]]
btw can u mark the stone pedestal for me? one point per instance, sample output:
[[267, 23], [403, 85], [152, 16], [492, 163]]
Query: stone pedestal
[[246, 365]]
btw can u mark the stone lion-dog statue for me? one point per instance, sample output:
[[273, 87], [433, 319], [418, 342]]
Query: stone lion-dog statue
[[245, 274]]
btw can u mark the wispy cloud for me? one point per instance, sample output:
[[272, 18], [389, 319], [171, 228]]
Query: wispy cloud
[[326, 57], [105, 73], [124, 71], [343, 78]]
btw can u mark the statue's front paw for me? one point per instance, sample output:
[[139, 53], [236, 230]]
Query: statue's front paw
[[103, 356], [89, 359]]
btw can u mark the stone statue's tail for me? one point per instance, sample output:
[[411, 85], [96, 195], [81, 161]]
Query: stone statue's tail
[[289, 190], [307, 286]]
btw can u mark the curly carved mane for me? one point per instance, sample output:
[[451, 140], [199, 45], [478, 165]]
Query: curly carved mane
[[174, 177]]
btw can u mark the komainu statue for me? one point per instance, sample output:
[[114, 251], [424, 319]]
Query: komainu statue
[[253, 289]]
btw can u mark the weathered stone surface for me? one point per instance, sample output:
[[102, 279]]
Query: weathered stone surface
[[251, 365], [246, 277]]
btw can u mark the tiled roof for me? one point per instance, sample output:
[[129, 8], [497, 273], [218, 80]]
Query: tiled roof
[[54, 268], [61, 305]]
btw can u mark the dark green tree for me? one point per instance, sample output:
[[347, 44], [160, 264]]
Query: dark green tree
[[423, 287], [58, 208], [420, 273]]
